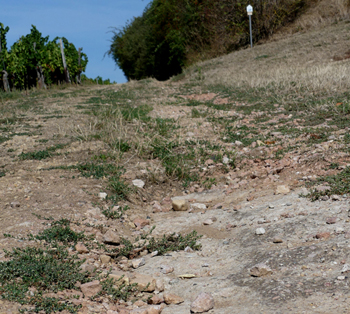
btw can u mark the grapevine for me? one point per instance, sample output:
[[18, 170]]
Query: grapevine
[[34, 60]]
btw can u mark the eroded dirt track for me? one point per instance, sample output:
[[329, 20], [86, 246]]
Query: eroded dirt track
[[252, 180]]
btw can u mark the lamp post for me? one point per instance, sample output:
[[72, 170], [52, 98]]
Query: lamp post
[[250, 13]]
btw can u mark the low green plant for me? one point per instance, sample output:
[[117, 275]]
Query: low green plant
[[339, 184], [209, 182], [174, 242], [121, 145], [117, 290], [199, 113], [167, 243], [46, 270], [96, 170], [60, 231], [119, 189], [41, 154], [38, 155], [243, 134], [115, 214]]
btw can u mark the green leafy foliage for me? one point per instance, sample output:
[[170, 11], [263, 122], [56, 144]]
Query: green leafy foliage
[[171, 34], [46, 270], [60, 231], [117, 290], [110, 213], [339, 184], [33, 54], [41, 154], [167, 243]]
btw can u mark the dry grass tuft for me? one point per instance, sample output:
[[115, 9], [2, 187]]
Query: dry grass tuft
[[300, 65], [320, 13]]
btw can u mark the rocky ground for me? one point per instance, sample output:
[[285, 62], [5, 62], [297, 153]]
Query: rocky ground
[[265, 248]]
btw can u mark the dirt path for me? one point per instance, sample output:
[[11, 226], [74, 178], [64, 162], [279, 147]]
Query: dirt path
[[303, 244]]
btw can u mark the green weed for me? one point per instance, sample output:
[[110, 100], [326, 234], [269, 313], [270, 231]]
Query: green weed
[[60, 231], [167, 243], [38, 155], [339, 184], [117, 290], [41, 154], [121, 145], [46, 270], [115, 214]]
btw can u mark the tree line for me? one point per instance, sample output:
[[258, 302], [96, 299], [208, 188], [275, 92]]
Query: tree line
[[172, 34], [35, 60]]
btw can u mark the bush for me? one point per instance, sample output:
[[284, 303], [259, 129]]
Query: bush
[[172, 34]]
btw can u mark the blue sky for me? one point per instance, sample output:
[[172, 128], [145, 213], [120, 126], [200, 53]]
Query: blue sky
[[85, 23]]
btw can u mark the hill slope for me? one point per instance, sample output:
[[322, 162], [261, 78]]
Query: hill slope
[[238, 140]]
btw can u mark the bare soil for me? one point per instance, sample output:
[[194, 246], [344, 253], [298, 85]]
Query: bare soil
[[306, 271]]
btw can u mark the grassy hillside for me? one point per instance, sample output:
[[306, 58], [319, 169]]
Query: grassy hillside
[[172, 35], [303, 70]]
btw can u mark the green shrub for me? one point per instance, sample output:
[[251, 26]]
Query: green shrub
[[171, 34]]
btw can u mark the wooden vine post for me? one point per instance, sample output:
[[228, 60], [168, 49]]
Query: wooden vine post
[[78, 78], [66, 73], [4, 73], [40, 73]]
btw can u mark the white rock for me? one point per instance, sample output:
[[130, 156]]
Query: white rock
[[282, 189], [138, 262], [345, 268], [238, 143], [102, 195], [225, 160], [139, 183], [339, 230], [198, 206], [260, 231]]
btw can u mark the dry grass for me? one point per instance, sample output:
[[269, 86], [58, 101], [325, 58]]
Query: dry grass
[[301, 64], [321, 13]]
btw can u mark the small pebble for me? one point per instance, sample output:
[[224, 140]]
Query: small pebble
[[260, 231], [277, 240]]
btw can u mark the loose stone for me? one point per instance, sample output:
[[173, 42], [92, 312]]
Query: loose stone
[[180, 205], [166, 269], [204, 302], [282, 189], [91, 288], [102, 195], [260, 270], [277, 240], [171, 298], [139, 183], [138, 263], [81, 248], [331, 220], [260, 231], [323, 235], [111, 237]]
